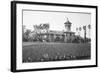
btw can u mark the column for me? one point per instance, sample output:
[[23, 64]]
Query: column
[[49, 37], [65, 39]]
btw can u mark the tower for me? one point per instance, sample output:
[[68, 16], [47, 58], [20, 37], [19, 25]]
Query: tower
[[68, 25]]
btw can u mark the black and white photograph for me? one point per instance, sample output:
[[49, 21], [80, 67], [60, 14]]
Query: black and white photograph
[[53, 36]]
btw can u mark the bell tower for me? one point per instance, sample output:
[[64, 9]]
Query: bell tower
[[68, 25]]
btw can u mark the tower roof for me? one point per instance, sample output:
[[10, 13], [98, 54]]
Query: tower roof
[[67, 22]]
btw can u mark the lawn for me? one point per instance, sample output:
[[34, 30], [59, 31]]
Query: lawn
[[42, 52]]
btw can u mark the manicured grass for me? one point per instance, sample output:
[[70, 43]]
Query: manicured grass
[[37, 52]]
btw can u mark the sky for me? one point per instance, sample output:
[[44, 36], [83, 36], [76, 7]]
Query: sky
[[56, 20]]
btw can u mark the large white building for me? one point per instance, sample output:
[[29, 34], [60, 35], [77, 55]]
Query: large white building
[[52, 36]]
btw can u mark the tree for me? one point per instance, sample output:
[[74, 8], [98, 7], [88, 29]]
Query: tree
[[84, 28], [41, 28], [46, 29], [46, 26], [89, 27], [79, 30], [26, 34], [23, 32]]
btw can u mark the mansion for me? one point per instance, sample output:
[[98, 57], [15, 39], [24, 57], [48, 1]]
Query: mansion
[[53, 36]]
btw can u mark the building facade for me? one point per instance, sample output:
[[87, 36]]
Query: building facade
[[55, 36]]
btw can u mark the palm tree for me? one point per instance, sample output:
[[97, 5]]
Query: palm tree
[[84, 28], [89, 27], [76, 29], [80, 30]]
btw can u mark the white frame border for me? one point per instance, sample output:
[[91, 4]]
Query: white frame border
[[38, 65]]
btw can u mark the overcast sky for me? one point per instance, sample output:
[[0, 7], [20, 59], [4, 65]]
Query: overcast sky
[[56, 20]]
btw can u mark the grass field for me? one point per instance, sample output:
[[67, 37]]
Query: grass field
[[41, 52]]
